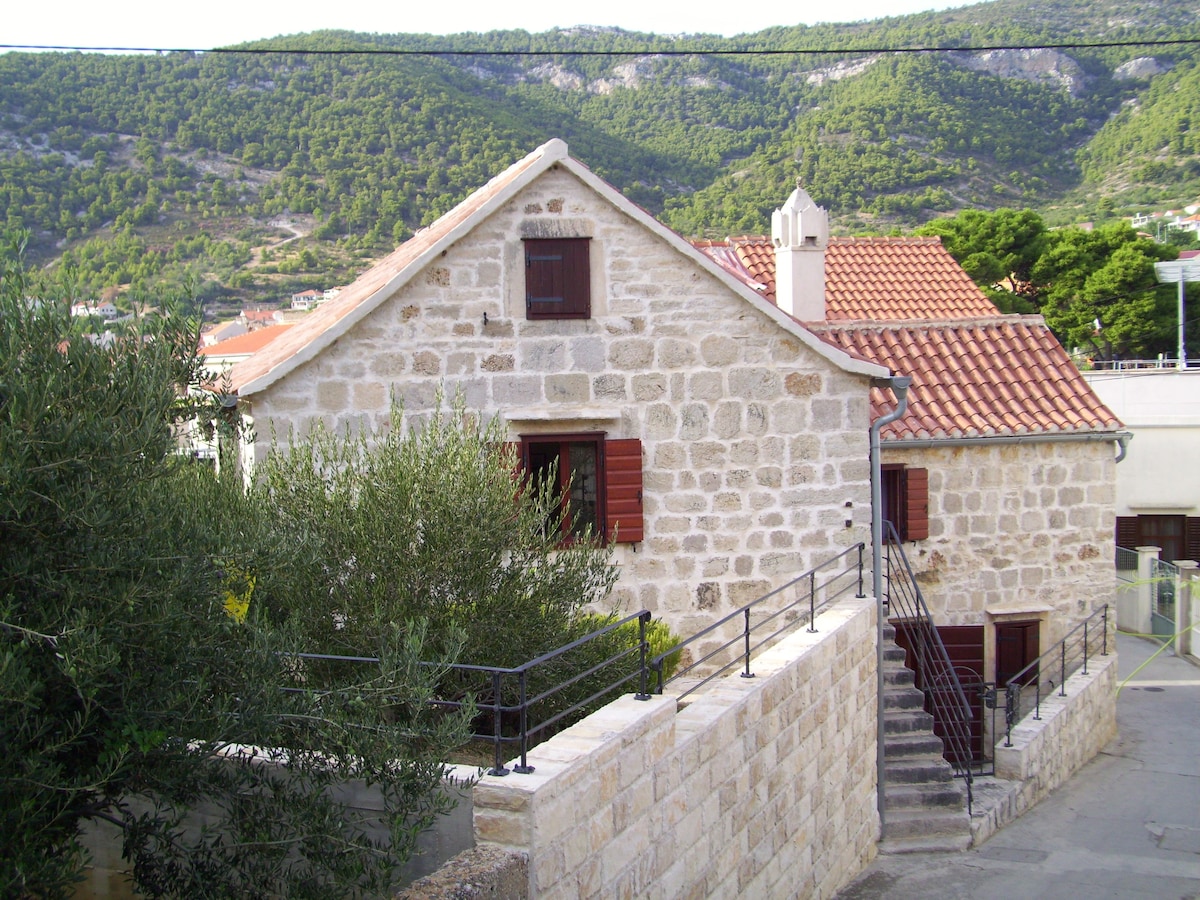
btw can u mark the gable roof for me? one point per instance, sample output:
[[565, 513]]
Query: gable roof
[[907, 304], [1003, 376], [334, 318], [875, 278]]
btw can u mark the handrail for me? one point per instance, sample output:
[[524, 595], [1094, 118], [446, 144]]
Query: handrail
[[493, 680], [938, 679], [504, 698], [1068, 663], [750, 635]]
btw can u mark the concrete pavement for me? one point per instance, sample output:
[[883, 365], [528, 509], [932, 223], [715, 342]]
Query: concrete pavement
[[1125, 826]]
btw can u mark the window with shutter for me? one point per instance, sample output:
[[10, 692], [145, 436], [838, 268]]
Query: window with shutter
[[558, 278], [905, 493], [599, 483]]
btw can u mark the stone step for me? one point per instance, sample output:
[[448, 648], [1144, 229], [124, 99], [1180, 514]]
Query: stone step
[[947, 829], [911, 699], [915, 798], [900, 676], [911, 743], [904, 721], [921, 770]]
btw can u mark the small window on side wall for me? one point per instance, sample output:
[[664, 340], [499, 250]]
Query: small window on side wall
[[558, 282], [905, 494]]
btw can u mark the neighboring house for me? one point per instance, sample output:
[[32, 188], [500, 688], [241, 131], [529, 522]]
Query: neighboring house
[[1000, 475], [258, 318], [220, 357], [201, 442], [104, 309], [1158, 486], [306, 300], [223, 331], [719, 444]]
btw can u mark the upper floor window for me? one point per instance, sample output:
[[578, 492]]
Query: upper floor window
[[558, 283]]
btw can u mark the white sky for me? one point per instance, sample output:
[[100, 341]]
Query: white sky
[[202, 25]]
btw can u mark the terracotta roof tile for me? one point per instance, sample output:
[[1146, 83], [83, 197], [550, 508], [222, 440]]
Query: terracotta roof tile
[[1005, 375], [250, 342], [875, 278]]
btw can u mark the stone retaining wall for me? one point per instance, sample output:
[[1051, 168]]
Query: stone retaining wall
[[1045, 752], [759, 787]]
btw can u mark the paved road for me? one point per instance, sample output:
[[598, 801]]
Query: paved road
[[1126, 826]]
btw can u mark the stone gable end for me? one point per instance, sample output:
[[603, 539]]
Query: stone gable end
[[754, 447]]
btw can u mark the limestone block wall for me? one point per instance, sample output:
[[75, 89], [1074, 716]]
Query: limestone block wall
[[1016, 528], [755, 458], [1070, 730], [760, 787]]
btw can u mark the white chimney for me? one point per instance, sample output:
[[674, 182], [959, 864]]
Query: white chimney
[[800, 233]]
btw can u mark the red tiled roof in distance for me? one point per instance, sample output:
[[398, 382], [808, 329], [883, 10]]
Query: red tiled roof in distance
[[250, 342], [977, 378], [870, 278]]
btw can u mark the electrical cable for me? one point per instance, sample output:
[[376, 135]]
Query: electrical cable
[[696, 51]]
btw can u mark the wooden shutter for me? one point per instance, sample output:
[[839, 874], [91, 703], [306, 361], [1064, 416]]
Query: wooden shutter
[[916, 504], [623, 491], [1127, 532], [558, 278], [1191, 538]]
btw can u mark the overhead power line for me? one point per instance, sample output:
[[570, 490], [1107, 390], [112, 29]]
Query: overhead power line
[[695, 51]]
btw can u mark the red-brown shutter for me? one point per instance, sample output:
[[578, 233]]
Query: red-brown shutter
[[916, 504], [558, 278], [623, 491], [1192, 538], [1127, 532]]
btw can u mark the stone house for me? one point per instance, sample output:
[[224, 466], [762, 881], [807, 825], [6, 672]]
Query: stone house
[[717, 443], [1000, 475]]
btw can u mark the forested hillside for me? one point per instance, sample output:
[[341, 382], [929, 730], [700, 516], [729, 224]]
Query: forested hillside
[[293, 162]]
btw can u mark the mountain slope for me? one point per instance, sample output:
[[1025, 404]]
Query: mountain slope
[[144, 169]]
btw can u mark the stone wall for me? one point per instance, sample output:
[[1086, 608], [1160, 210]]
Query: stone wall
[[1016, 530], [759, 787], [755, 458], [1068, 732]]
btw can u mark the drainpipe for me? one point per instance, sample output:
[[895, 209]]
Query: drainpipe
[[899, 385], [1123, 440]]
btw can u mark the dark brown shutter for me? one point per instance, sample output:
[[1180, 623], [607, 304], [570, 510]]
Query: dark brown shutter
[[1127, 532], [558, 278], [623, 491], [1192, 538], [916, 504]]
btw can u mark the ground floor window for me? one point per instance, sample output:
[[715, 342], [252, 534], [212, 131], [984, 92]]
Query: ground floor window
[[598, 481]]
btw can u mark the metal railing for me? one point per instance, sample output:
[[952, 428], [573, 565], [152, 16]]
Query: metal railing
[[1060, 662], [1165, 575], [936, 675], [509, 714], [1127, 565], [780, 611], [516, 706]]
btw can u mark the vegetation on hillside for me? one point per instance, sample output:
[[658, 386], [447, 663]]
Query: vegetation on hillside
[[287, 165]]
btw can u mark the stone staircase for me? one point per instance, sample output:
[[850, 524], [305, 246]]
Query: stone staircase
[[925, 806]]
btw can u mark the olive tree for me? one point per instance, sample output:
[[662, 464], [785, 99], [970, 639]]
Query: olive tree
[[140, 682]]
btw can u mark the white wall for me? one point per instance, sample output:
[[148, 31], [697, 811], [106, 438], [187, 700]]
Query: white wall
[[1161, 407]]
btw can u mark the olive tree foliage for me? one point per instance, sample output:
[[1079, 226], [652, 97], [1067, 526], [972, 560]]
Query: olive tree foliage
[[137, 673], [430, 521]]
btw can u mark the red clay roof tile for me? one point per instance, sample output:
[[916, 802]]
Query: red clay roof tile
[[976, 378]]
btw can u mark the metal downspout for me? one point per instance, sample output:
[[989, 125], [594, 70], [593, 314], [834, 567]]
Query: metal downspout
[[899, 385], [1123, 442]]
